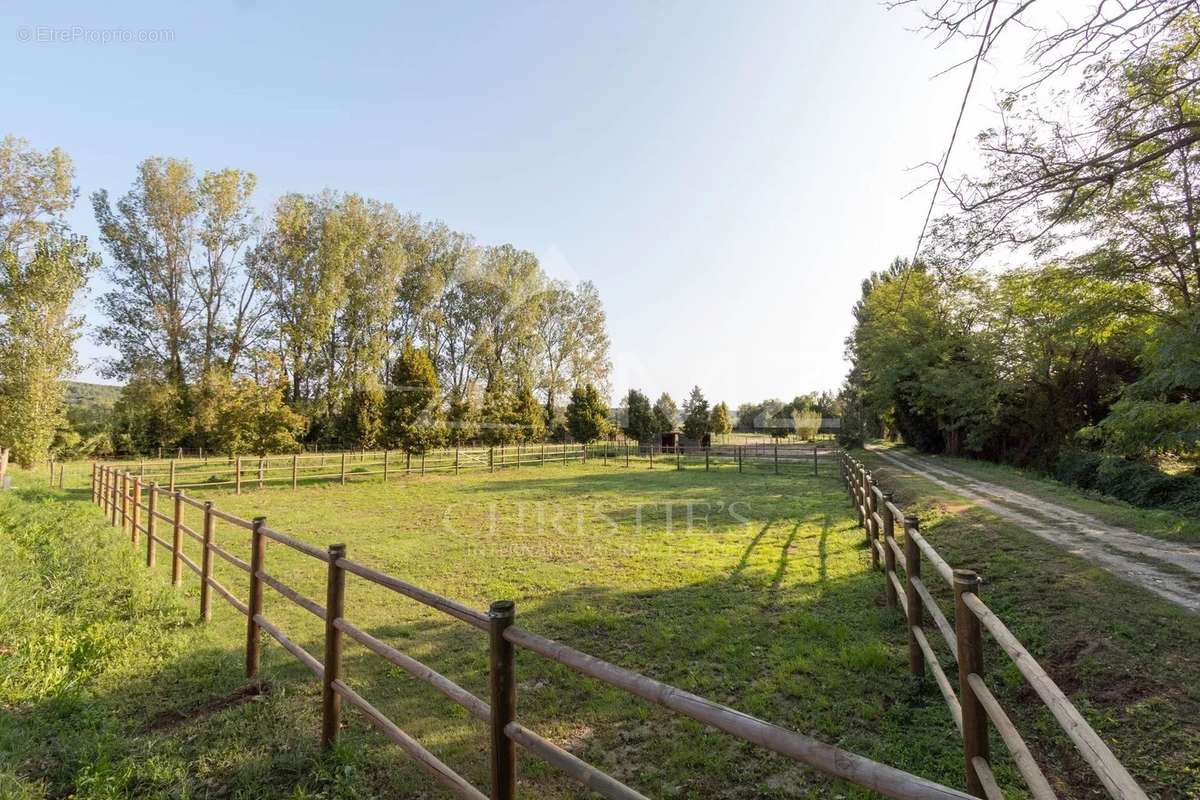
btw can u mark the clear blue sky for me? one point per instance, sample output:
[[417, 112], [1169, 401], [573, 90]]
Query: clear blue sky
[[725, 173]]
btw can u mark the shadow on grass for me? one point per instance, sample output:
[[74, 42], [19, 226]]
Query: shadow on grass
[[820, 659]]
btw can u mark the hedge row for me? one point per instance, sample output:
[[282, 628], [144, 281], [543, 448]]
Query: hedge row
[[1136, 483]]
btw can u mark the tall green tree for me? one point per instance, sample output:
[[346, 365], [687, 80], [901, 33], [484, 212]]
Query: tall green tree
[[37, 340], [639, 417], [498, 414], [412, 413], [36, 190], [695, 415], [176, 243], [587, 414], [719, 421], [665, 413], [529, 414]]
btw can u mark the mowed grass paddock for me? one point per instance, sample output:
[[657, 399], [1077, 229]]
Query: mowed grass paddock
[[751, 589]]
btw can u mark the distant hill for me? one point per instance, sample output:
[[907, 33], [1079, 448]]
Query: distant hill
[[91, 395]]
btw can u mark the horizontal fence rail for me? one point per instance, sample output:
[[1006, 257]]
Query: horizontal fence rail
[[123, 498], [973, 705]]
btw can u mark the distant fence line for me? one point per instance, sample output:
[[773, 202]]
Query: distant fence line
[[241, 472], [120, 496], [974, 704]]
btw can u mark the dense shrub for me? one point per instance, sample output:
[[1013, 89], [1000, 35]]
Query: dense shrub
[[1131, 481]]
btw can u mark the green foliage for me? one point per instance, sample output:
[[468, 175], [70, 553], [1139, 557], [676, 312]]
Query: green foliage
[[719, 422], [360, 420], [1136, 483], [498, 415], [37, 340], [411, 412], [1160, 411], [462, 421], [529, 415], [665, 413], [587, 414], [150, 415], [640, 424], [245, 417], [1006, 368], [36, 190], [695, 415]]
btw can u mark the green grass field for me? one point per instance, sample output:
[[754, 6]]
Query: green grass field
[[765, 601]]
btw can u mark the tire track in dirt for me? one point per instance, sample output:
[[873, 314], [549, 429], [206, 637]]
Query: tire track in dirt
[[1169, 569]]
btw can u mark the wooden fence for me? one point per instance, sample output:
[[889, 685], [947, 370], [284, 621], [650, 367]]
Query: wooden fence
[[254, 472], [138, 511], [974, 705]]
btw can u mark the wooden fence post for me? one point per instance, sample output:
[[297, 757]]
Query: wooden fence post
[[254, 601], [295, 465], [206, 565], [151, 524], [871, 504], [889, 553], [385, 465], [136, 512], [456, 458], [260, 472], [860, 496], [814, 461], [503, 684], [237, 477], [776, 456], [706, 459], [970, 660], [678, 460], [343, 474], [916, 609], [335, 608], [177, 539], [93, 482], [422, 462], [491, 459], [115, 482], [626, 453], [739, 456]]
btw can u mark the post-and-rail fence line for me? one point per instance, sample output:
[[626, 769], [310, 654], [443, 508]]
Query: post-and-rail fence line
[[120, 495], [974, 705], [241, 472]]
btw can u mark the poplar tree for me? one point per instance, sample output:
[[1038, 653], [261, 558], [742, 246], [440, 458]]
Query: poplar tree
[[37, 340]]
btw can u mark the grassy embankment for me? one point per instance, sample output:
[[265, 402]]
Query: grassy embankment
[[777, 614]]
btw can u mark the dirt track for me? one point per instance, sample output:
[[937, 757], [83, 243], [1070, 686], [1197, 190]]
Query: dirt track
[[1168, 569]]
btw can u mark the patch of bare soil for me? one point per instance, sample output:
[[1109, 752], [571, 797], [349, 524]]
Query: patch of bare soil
[[240, 696]]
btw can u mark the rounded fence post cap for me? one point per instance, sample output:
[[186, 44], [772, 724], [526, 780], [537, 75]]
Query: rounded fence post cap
[[966, 577], [501, 608]]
